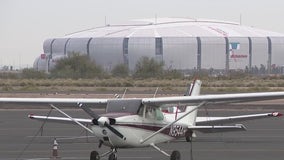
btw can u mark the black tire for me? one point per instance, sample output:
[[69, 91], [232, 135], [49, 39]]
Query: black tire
[[188, 136], [112, 156], [188, 139], [94, 155], [175, 155]]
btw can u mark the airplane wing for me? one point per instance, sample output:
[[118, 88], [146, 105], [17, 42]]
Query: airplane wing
[[215, 129], [233, 119], [60, 119], [71, 101], [219, 98]]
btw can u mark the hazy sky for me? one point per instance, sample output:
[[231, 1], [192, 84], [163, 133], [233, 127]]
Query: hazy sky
[[25, 24]]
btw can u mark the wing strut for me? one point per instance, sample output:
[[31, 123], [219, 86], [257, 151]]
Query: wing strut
[[166, 126], [72, 119]]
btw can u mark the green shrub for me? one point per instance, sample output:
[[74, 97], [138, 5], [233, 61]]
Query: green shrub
[[76, 66], [148, 68], [120, 70]]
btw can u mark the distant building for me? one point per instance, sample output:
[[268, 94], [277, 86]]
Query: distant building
[[182, 43]]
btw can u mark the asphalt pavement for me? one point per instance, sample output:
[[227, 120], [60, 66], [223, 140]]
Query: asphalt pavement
[[21, 138]]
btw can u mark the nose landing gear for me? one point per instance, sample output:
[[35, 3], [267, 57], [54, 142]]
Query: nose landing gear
[[112, 155], [188, 136], [94, 155]]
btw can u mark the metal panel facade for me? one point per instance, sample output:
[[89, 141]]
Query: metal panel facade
[[106, 52], [47, 46], [77, 45], [139, 47], [177, 52], [259, 52], [213, 53], [58, 46], [277, 52], [180, 52], [40, 64]]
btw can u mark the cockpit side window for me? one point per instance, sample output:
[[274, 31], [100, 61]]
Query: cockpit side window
[[154, 113], [159, 115]]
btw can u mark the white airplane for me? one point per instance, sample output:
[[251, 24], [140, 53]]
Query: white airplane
[[145, 122]]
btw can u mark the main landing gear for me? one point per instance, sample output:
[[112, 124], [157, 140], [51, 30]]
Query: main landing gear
[[188, 136], [174, 156], [112, 155], [94, 155]]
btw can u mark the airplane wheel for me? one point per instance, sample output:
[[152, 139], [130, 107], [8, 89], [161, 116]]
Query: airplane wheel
[[188, 138], [112, 156], [94, 155], [175, 155]]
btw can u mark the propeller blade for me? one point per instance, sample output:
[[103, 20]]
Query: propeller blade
[[115, 131], [96, 118], [88, 111]]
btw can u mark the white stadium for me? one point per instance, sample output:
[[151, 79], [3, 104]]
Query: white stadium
[[182, 43]]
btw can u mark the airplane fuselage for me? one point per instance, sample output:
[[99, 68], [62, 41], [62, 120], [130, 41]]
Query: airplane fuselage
[[137, 128]]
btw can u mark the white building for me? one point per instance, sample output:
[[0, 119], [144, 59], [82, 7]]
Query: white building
[[182, 43]]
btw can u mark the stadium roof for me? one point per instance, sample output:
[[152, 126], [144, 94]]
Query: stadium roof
[[174, 27]]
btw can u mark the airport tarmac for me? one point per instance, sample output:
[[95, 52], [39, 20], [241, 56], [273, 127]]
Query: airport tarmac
[[264, 139]]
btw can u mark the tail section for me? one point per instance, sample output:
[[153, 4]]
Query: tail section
[[193, 90], [175, 112]]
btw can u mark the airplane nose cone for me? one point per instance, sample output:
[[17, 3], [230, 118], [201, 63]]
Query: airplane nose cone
[[103, 120]]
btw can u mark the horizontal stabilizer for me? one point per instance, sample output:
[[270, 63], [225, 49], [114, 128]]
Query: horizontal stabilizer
[[216, 129], [234, 119], [60, 119]]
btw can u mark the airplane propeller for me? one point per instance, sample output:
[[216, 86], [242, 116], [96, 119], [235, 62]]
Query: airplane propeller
[[102, 121]]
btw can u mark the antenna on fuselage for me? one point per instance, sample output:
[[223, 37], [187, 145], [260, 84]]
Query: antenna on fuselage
[[156, 92], [124, 93], [116, 96]]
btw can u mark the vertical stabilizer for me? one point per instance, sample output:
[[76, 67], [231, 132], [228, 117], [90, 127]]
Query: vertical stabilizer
[[178, 111], [193, 90]]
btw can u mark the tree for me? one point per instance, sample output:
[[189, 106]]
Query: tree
[[120, 70], [148, 67], [76, 66]]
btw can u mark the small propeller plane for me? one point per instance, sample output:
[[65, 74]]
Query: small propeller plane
[[146, 122]]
